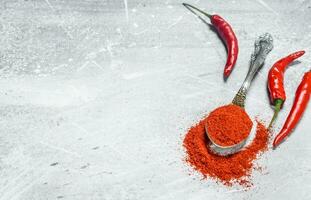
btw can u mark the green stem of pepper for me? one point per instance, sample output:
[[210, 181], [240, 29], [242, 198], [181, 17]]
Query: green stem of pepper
[[190, 7], [277, 107]]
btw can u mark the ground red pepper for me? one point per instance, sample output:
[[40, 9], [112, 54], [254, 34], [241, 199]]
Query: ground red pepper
[[224, 128], [230, 169]]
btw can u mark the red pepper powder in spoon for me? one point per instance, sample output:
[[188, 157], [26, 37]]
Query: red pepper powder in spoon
[[224, 128], [235, 168]]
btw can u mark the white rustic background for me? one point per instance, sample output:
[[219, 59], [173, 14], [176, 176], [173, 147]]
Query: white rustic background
[[97, 95]]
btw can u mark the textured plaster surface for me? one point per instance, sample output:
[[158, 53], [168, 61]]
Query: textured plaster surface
[[97, 95]]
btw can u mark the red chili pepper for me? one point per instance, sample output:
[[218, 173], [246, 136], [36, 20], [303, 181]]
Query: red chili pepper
[[276, 82], [227, 35], [302, 97]]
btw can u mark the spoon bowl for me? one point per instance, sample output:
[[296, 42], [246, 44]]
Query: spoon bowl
[[263, 45], [228, 150]]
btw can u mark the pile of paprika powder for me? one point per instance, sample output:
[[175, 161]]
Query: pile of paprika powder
[[235, 168]]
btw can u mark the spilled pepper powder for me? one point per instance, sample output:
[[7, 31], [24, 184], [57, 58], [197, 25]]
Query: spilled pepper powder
[[230, 169], [228, 125]]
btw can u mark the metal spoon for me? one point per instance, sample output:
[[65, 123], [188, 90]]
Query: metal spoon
[[263, 45]]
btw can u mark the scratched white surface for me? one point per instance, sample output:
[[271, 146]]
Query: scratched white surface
[[96, 97]]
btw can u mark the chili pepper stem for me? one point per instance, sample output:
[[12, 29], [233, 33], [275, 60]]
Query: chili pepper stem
[[277, 107], [190, 7]]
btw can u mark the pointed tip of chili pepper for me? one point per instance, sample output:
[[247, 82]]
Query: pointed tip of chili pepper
[[300, 53], [277, 140], [276, 143], [297, 54], [226, 74]]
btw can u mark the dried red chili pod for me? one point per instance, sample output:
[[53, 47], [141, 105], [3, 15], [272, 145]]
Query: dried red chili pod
[[227, 35]]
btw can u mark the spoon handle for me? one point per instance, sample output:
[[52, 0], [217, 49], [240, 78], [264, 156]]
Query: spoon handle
[[263, 45]]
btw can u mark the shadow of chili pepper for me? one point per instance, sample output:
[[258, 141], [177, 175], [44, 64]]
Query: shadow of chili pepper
[[295, 62]]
